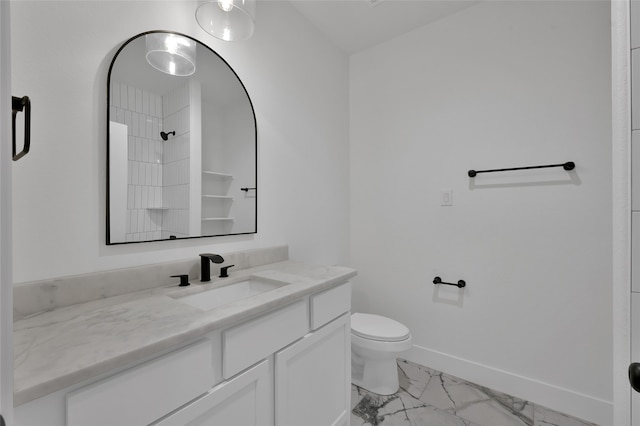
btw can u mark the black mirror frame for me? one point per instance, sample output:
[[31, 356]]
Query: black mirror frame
[[108, 201]]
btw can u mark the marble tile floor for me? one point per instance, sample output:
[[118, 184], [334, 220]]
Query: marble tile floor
[[430, 398]]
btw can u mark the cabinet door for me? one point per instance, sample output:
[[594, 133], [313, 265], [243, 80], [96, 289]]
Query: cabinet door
[[242, 401], [144, 393], [312, 378]]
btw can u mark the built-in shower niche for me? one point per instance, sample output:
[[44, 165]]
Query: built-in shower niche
[[216, 203]]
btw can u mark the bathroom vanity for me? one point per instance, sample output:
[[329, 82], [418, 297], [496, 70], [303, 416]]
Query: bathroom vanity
[[277, 354]]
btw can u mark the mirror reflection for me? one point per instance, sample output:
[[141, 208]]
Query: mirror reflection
[[181, 144]]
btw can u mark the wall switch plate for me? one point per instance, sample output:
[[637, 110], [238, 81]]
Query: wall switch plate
[[446, 197]]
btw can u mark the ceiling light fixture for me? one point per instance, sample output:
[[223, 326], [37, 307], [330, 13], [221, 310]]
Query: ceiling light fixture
[[171, 53], [228, 20]]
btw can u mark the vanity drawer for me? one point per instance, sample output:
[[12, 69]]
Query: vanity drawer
[[330, 304], [248, 343], [145, 393]]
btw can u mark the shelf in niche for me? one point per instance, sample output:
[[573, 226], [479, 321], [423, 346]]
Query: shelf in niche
[[218, 197], [216, 174], [217, 219]]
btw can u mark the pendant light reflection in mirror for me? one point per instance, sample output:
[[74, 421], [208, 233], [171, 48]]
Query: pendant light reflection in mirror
[[171, 53], [228, 20]]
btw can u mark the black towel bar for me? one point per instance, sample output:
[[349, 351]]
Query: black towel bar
[[460, 284], [19, 105], [569, 165]]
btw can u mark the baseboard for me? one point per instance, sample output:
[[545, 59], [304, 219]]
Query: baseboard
[[555, 398]]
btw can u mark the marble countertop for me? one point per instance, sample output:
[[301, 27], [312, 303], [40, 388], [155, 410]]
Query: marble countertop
[[66, 346]]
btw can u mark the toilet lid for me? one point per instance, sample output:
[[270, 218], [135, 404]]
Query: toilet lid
[[376, 327]]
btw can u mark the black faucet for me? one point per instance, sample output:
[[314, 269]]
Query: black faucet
[[205, 270], [224, 271]]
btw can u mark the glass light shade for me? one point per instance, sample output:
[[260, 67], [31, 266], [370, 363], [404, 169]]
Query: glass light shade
[[229, 20], [171, 54]]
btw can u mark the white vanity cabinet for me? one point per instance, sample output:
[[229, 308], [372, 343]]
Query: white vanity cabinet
[[312, 378], [313, 375], [287, 367], [245, 400], [142, 394]]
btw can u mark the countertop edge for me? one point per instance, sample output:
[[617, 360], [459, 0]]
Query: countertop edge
[[172, 342]]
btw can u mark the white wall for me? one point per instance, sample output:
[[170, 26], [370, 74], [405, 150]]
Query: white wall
[[502, 84], [298, 83]]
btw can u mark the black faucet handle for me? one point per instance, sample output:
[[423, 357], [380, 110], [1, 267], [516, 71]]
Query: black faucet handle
[[215, 258], [224, 271], [184, 279]]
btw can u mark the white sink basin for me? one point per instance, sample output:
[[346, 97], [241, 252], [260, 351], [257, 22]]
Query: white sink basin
[[219, 296]]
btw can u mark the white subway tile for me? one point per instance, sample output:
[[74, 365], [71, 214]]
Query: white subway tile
[[165, 105], [159, 107], [149, 127], [169, 123], [154, 174], [131, 150], [141, 214], [137, 190], [127, 121], [160, 175], [129, 172], [133, 220], [147, 223], [152, 104], [119, 118], [145, 197], [145, 149], [135, 124], [155, 225], [184, 96], [142, 125], [145, 102], [123, 96], [185, 119], [186, 146], [147, 173], [138, 100], [142, 179], [155, 131], [131, 98], [130, 196], [157, 157], [166, 175], [151, 197], [133, 176], [135, 147]]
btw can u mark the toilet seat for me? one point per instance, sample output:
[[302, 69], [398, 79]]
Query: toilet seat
[[379, 328]]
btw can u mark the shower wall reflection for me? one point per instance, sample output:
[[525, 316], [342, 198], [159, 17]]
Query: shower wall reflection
[[158, 172]]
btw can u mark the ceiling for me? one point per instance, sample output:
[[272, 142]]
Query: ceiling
[[355, 25]]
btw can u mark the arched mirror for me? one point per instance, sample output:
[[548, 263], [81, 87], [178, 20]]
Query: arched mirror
[[182, 140]]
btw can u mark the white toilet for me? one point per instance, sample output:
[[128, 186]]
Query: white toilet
[[376, 341]]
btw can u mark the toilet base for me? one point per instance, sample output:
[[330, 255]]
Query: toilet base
[[379, 376]]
